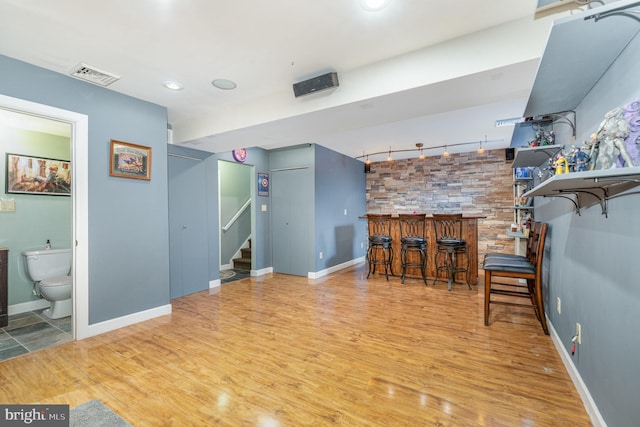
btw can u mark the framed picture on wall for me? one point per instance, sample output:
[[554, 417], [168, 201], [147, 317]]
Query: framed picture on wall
[[263, 184], [37, 175], [130, 160]]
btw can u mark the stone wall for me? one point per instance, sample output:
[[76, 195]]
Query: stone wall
[[471, 183]]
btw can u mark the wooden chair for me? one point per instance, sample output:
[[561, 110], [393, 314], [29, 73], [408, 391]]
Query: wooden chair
[[413, 240], [515, 270], [535, 230], [450, 246], [380, 251]]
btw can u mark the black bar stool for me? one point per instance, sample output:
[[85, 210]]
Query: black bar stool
[[380, 251], [412, 239], [450, 245]]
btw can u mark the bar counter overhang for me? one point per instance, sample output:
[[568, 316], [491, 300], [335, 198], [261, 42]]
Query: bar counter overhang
[[469, 233]]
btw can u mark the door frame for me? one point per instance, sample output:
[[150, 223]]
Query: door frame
[[252, 196], [80, 200]]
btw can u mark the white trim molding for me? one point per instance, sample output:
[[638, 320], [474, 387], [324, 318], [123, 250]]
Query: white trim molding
[[128, 320], [583, 391]]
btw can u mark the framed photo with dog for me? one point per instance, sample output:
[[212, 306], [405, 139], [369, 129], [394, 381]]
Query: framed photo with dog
[[130, 160]]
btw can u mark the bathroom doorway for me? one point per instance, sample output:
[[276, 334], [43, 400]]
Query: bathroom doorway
[[41, 120]]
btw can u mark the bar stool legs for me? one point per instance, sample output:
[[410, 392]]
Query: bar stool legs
[[421, 249], [450, 264], [380, 252]]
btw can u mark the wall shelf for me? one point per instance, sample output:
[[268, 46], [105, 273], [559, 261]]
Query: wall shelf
[[534, 156], [579, 50], [595, 186]]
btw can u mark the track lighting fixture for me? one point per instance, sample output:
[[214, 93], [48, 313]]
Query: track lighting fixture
[[420, 148]]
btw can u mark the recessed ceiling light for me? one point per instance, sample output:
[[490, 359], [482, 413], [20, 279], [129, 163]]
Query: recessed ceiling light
[[224, 84], [172, 85], [374, 5]]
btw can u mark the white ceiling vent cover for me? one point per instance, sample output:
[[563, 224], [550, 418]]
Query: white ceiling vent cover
[[94, 75]]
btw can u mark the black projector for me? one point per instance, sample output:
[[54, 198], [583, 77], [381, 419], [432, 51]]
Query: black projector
[[316, 84]]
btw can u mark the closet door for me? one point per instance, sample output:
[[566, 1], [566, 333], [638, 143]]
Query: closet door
[[291, 220], [188, 246]]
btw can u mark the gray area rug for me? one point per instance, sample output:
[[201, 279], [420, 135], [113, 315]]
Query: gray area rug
[[94, 414]]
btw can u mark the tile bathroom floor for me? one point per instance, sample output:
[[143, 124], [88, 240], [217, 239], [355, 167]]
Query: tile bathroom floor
[[32, 331]]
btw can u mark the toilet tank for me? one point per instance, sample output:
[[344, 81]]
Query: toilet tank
[[46, 263]]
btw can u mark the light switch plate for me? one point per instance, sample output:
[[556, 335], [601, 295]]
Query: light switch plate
[[7, 206]]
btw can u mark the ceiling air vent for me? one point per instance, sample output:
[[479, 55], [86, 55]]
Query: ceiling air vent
[[94, 75]]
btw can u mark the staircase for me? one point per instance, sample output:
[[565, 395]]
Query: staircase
[[244, 262]]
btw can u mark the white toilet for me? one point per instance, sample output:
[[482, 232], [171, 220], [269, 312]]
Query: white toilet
[[50, 269]]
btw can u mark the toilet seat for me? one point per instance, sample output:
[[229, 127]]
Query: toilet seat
[[57, 281]]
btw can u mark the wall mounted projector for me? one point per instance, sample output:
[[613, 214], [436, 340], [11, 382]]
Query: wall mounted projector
[[316, 84]]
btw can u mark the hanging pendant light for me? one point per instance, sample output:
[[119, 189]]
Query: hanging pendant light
[[446, 153], [481, 150], [389, 159]]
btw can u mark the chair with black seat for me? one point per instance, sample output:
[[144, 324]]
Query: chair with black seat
[[380, 251], [450, 247], [503, 278], [413, 244], [533, 233]]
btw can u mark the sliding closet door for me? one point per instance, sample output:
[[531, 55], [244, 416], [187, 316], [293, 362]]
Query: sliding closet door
[[188, 246], [291, 219]]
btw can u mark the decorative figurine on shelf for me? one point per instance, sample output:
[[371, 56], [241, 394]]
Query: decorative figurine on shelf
[[631, 141], [551, 138], [560, 164], [579, 160], [610, 140]]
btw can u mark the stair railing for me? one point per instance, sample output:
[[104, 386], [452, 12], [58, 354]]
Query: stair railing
[[237, 215]]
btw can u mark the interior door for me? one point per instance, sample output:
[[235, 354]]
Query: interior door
[[291, 218], [188, 246]]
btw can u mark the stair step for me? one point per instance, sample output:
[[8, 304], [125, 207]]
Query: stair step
[[242, 263], [246, 252]]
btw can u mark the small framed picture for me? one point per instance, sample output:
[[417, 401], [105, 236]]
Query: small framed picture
[[263, 184], [130, 160], [37, 175]]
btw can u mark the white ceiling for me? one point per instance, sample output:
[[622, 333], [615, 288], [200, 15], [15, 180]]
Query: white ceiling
[[430, 72]]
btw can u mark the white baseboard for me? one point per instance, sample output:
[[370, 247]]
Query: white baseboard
[[583, 391], [226, 267], [24, 307], [128, 320], [214, 283], [335, 268], [261, 272]]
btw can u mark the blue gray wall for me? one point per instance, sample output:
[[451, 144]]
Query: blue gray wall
[[340, 185], [128, 226], [594, 266]]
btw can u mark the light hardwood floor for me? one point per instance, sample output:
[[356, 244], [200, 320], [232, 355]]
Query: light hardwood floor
[[288, 351]]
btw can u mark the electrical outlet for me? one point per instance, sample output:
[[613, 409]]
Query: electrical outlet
[[579, 333], [345, 212], [320, 255], [559, 305], [361, 245]]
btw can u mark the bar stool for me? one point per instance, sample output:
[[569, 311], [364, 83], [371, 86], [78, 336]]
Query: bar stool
[[412, 239], [380, 251], [450, 245]]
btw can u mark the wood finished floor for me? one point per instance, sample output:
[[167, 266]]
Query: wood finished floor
[[342, 350]]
